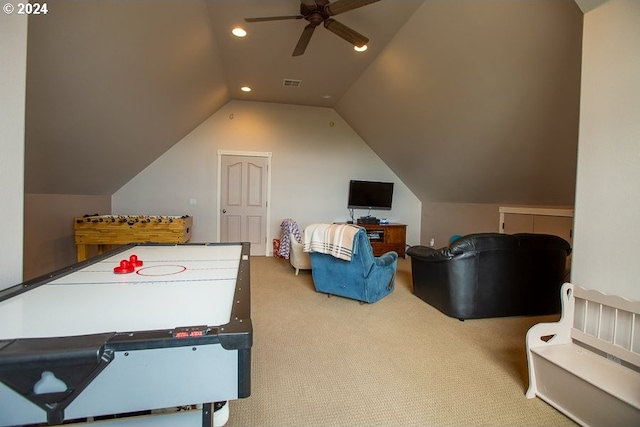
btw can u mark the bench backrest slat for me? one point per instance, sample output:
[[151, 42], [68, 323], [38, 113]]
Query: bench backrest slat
[[608, 323]]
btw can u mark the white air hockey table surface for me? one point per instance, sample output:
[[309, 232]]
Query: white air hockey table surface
[[86, 341]]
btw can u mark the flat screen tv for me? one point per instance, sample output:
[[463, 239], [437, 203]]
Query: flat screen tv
[[370, 195]]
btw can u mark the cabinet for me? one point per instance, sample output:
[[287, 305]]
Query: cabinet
[[387, 237], [555, 221]]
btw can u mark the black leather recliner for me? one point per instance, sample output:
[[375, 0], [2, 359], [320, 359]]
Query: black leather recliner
[[492, 275]]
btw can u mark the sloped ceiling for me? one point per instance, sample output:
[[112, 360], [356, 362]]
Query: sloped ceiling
[[589, 5], [327, 69], [111, 85], [484, 109], [467, 101]]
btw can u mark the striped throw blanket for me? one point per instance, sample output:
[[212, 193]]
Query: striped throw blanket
[[288, 226], [331, 239]]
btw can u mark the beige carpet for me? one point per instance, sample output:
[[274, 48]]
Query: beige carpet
[[320, 361]]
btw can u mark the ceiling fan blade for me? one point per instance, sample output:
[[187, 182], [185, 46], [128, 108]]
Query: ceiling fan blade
[[273, 18], [342, 6], [303, 42], [341, 30]]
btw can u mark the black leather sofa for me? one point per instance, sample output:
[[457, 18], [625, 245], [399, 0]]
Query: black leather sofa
[[492, 275]]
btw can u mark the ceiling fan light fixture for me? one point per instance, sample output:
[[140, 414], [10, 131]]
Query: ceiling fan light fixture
[[360, 48], [239, 32], [318, 12]]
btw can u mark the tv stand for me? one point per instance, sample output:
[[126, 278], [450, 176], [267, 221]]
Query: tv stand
[[386, 237]]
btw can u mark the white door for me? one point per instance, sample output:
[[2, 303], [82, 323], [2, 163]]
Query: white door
[[243, 201]]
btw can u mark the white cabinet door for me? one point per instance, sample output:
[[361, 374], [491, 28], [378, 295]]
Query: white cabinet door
[[557, 222]]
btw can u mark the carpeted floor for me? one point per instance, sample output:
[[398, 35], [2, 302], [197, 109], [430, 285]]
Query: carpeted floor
[[320, 361]]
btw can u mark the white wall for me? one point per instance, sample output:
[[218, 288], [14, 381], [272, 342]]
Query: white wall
[[13, 51], [314, 155], [607, 209]]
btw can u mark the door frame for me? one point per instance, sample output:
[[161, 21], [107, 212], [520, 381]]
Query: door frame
[[267, 249]]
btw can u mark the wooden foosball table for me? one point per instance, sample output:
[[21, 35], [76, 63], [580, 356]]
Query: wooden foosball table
[[108, 231]]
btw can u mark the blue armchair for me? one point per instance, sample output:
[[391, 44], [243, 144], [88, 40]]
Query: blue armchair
[[365, 278]]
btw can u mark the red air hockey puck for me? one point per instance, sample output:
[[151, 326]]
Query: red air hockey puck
[[124, 267]]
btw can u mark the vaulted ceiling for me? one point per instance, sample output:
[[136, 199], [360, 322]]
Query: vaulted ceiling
[[467, 101]]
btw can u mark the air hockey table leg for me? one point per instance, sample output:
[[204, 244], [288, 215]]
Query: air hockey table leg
[[215, 414]]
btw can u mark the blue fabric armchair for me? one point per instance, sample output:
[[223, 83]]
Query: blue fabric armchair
[[365, 278]]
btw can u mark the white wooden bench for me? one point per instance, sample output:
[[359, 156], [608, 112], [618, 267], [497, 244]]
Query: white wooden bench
[[587, 365]]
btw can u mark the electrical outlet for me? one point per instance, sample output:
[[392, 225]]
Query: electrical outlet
[[193, 202], [432, 242]]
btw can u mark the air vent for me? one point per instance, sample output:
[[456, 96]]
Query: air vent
[[291, 83]]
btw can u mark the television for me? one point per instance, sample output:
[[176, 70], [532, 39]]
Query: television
[[370, 195]]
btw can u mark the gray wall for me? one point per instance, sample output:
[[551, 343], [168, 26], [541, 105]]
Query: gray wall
[[48, 232], [442, 220]]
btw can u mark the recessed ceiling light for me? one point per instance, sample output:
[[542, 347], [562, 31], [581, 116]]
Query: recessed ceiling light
[[326, 96], [239, 32], [360, 48], [245, 89]]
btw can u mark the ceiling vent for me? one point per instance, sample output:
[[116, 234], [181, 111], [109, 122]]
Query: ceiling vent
[[291, 83]]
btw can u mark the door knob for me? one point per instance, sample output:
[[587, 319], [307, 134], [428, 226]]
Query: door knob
[[224, 211]]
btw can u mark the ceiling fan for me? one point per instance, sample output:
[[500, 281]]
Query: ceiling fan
[[320, 12]]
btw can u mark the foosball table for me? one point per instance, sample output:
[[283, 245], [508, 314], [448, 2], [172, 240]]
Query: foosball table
[[107, 231]]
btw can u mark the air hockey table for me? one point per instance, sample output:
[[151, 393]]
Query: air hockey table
[[87, 341]]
